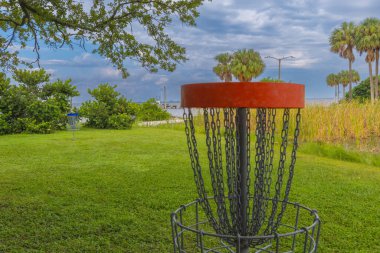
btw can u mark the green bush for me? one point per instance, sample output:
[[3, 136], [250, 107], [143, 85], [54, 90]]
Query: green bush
[[151, 111], [109, 109], [121, 121], [5, 128], [361, 92], [96, 114], [41, 128], [34, 105]]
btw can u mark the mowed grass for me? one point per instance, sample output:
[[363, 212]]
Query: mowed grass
[[113, 191]]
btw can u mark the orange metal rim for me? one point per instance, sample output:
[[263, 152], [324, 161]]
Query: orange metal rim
[[243, 95]]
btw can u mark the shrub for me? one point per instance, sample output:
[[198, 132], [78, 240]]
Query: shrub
[[5, 128], [42, 128], [361, 92], [151, 111], [121, 121], [96, 113], [34, 105], [109, 109]]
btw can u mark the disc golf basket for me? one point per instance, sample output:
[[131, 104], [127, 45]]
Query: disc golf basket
[[243, 169], [73, 123]]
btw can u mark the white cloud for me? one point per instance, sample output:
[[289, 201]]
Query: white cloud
[[161, 80], [221, 3], [109, 72], [254, 19], [54, 62], [147, 77]]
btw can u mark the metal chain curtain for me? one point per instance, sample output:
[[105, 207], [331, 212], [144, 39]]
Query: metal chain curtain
[[247, 205]]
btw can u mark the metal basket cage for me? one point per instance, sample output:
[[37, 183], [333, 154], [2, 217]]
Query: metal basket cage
[[192, 232], [244, 180]]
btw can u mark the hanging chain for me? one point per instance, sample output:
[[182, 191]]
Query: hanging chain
[[248, 123], [217, 141], [216, 171], [280, 170], [194, 158], [291, 167], [232, 177], [259, 170], [238, 176], [269, 154], [259, 196], [209, 151]]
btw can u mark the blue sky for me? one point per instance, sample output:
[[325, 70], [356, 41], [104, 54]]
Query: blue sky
[[273, 27]]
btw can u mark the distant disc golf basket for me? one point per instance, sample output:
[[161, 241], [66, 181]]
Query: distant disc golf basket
[[243, 173], [73, 123]]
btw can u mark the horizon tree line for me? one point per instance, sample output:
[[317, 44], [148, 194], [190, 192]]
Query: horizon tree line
[[343, 78]]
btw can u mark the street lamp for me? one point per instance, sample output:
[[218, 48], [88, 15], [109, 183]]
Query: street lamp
[[279, 63]]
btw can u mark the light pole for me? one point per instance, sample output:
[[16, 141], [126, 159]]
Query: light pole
[[165, 97], [279, 63]]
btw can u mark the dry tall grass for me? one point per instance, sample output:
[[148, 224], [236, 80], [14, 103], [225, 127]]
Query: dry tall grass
[[348, 122]]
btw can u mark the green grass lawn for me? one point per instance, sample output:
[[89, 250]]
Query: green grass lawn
[[113, 191]]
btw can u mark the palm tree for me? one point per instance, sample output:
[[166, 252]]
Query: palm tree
[[355, 76], [366, 40], [342, 41], [344, 79], [223, 69], [376, 24], [332, 80], [246, 64]]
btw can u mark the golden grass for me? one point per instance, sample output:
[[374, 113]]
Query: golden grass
[[348, 123]]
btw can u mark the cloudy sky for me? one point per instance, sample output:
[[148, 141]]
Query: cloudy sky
[[277, 28]]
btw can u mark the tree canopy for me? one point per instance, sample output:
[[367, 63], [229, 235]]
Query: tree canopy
[[246, 64], [223, 68], [115, 28]]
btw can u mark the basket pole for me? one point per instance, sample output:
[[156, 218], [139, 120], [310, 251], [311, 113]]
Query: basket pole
[[243, 171]]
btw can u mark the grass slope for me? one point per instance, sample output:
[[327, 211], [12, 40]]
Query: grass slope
[[113, 191]]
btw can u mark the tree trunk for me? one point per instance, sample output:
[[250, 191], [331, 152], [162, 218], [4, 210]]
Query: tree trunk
[[350, 74], [344, 92], [377, 74], [336, 94], [371, 82]]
